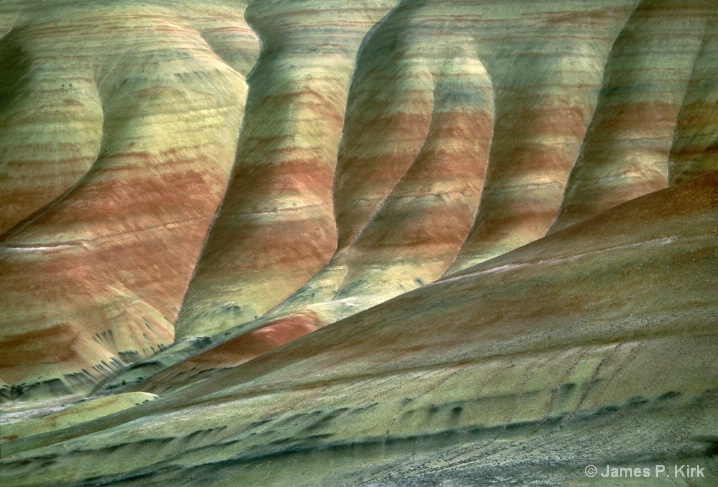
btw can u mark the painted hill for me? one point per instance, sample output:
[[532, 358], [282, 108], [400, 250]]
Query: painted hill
[[593, 345], [502, 215]]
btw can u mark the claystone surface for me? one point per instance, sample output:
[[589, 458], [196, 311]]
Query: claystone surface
[[357, 243]]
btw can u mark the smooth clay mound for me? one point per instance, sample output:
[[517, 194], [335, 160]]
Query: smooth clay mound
[[373, 242]]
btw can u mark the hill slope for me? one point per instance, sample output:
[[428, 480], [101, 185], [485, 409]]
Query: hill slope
[[415, 241]]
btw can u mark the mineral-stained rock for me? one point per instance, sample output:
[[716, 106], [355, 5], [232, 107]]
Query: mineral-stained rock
[[16, 427], [93, 277], [397, 230], [276, 227], [601, 101], [595, 345], [625, 152], [694, 149], [377, 242]]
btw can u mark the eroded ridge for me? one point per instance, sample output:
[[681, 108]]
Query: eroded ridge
[[406, 239]]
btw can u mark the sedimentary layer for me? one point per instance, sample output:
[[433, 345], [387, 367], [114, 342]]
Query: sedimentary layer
[[114, 162], [378, 242], [470, 129], [593, 345], [276, 226], [202, 183]]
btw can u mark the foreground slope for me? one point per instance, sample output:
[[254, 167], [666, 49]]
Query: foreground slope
[[595, 345], [502, 215]]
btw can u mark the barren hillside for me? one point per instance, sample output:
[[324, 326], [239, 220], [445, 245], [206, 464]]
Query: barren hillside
[[370, 242]]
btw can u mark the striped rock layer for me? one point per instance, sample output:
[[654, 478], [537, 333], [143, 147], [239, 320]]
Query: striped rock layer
[[502, 215], [115, 158], [219, 179], [276, 227], [595, 345], [470, 129]]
